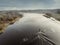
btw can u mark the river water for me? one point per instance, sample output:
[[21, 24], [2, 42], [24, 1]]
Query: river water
[[33, 23]]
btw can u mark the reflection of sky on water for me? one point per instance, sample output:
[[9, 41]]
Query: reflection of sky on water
[[30, 24]]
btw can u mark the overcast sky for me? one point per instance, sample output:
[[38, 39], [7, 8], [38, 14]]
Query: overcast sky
[[29, 4]]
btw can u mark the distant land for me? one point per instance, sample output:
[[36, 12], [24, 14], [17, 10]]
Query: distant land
[[54, 12], [34, 11]]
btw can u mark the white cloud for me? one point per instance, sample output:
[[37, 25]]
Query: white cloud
[[39, 5], [9, 8], [57, 4]]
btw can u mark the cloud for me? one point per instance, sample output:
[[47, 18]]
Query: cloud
[[29, 4], [57, 4]]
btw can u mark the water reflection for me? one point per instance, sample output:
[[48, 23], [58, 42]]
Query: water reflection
[[26, 29]]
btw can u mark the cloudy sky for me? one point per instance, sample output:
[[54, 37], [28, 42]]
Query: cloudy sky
[[29, 4]]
